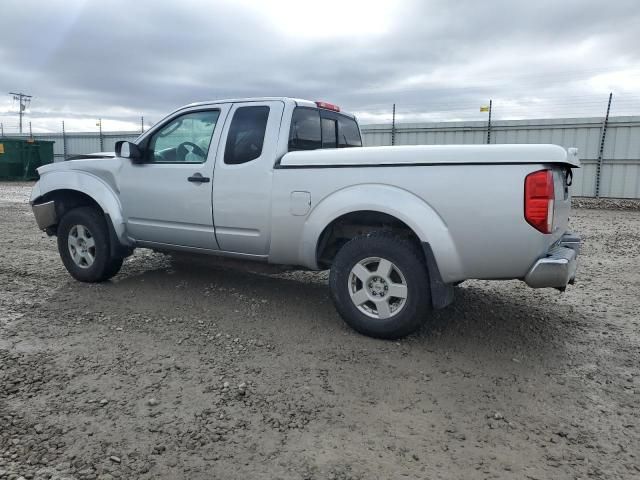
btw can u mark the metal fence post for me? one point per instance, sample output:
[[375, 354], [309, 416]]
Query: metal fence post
[[393, 125], [64, 142], [489, 124], [603, 137], [101, 140]]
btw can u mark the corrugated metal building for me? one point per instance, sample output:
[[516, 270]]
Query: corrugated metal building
[[84, 142], [620, 174]]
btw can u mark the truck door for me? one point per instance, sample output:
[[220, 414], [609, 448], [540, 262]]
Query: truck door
[[166, 199], [243, 176]]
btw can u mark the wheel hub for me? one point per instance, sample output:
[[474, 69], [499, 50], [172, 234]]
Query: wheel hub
[[377, 286], [82, 246]]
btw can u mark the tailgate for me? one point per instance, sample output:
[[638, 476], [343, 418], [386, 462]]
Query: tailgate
[[562, 177]]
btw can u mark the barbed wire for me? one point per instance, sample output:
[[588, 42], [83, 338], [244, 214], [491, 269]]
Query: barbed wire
[[468, 109]]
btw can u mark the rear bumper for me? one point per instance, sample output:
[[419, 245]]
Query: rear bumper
[[558, 267]]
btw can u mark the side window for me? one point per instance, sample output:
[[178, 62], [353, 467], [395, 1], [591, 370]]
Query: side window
[[348, 133], [246, 135], [185, 139], [305, 129], [329, 133]]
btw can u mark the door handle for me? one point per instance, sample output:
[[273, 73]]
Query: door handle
[[198, 178]]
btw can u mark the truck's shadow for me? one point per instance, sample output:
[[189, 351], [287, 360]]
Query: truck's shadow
[[502, 318]]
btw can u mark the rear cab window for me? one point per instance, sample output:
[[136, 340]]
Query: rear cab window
[[315, 128], [329, 132], [348, 132]]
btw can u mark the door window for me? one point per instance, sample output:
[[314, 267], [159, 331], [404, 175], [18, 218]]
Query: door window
[[185, 139], [246, 135]]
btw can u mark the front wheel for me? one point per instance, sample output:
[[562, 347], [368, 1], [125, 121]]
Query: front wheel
[[380, 285], [83, 244]]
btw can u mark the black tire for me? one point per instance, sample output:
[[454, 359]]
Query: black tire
[[113, 268], [406, 259], [104, 266]]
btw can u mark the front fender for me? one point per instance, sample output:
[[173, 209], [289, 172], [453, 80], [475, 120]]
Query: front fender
[[91, 186], [401, 204]]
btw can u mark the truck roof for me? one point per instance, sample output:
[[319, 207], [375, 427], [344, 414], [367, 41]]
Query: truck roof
[[296, 101]]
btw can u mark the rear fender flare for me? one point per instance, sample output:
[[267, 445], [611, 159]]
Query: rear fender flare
[[405, 206]]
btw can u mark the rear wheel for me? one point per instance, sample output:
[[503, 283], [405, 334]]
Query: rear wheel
[[380, 285], [83, 244]]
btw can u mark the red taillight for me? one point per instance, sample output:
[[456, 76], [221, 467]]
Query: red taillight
[[538, 200], [328, 106]]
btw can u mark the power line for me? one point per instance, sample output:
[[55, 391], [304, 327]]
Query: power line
[[525, 102], [569, 99]]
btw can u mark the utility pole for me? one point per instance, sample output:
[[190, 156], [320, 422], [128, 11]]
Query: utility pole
[[603, 137], [23, 101], [30, 131], [1, 130], [142, 124], [393, 126]]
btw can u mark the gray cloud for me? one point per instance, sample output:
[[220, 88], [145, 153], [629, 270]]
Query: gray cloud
[[437, 59]]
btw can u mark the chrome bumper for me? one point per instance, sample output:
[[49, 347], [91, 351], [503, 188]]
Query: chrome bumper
[[45, 214], [558, 268]]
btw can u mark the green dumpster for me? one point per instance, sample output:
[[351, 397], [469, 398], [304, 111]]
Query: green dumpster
[[20, 157]]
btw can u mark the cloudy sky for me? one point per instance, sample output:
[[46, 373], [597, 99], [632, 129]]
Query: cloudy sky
[[437, 60]]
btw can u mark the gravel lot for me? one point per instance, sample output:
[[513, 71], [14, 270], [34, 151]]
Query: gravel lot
[[182, 370]]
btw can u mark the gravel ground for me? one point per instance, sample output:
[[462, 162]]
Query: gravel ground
[[181, 370], [606, 203]]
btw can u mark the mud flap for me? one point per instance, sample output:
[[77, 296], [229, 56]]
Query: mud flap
[[117, 249], [441, 292]]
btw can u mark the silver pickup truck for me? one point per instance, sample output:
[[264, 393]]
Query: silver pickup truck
[[287, 181]]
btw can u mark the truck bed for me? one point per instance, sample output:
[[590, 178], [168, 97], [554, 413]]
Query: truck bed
[[472, 193], [431, 155]]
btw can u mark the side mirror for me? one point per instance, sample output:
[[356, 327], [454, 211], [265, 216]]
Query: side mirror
[[129, 150]]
